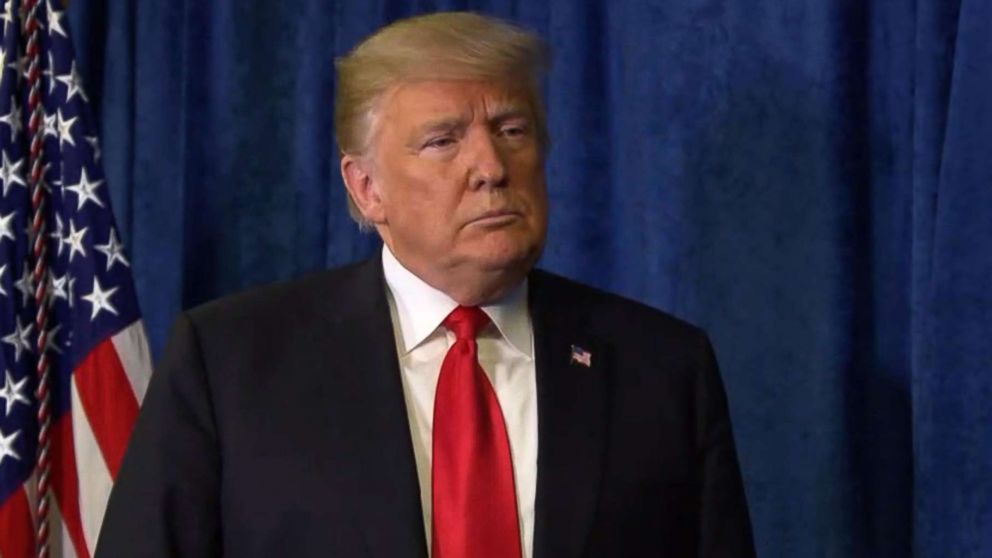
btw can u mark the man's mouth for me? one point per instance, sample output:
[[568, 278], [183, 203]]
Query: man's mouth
[[496, 218]]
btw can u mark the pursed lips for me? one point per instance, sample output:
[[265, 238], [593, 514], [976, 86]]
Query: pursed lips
[[495, 217]]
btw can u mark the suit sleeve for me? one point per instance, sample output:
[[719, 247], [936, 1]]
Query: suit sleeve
[[725, 526], [165, 501]]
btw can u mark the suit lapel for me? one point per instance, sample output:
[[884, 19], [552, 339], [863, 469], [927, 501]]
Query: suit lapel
[[572, 399], [366, 413]]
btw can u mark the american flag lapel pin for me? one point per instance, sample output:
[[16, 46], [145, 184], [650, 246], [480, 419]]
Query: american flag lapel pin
[[581, 356]]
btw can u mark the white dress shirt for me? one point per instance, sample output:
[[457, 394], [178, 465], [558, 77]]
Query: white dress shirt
[[506, 353]]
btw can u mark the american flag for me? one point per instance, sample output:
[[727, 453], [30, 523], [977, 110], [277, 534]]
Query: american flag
[[99, 363], [581, 356]]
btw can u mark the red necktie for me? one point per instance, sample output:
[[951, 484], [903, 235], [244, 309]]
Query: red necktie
[[473, 499]]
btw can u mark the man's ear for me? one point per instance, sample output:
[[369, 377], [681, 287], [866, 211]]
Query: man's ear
[[363, 189]]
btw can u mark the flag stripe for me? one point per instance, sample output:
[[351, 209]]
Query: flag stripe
[[132, 349], [65, 481], [60, 542], [90, 465], [108, 401], [16, 531], [31, 490]]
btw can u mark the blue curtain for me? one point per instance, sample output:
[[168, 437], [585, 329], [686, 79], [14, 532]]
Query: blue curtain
[[809, 180]]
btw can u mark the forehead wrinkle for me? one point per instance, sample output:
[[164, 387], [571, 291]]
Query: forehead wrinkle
[[443, 123]]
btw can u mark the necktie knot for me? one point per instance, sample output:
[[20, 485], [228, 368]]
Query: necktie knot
[[466, 321]]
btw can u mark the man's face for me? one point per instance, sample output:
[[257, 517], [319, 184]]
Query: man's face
[[458, 180]]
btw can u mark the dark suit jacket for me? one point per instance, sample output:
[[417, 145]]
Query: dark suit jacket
[[275, 425]]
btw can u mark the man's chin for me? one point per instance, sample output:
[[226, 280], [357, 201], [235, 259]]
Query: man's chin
[[514, 259]]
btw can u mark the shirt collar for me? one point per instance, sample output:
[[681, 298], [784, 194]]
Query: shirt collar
[[420, 308]]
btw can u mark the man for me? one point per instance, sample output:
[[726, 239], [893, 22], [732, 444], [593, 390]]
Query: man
[[444, 398]]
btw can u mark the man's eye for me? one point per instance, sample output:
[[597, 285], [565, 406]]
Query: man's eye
[[439, 143], [513, 131]]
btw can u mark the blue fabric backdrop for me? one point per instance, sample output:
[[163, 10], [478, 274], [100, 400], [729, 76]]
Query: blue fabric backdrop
[[809, 180]]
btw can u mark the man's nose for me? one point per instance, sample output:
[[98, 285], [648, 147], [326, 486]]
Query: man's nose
[[488, 164]]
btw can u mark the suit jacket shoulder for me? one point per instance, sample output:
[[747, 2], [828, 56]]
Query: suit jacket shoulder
[[607, 306], [337, 293]]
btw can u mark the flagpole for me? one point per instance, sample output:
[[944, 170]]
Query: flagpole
[[32, 28]]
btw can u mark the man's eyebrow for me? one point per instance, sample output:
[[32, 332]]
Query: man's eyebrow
[[505, 112], [439, 125]]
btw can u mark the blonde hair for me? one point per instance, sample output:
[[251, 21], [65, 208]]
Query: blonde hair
[[440, 46]]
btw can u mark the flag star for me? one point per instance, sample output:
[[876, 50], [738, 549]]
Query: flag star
[[57, 287], [62, 287], [58, 234], [10, 173], [75, 240], [12, 393], [72, 298], [95, 145], [6, 226], [51, 125], [3, 65], [13, 119], [100, 299], [65, 129], [55, 20], [50, 344], [50, 73], [19, 338], [73, 83], [114, 250], [85, 190], [3, 271], [8, 14], [7, 446], [21, 66], [45, 183], [26, 285]]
